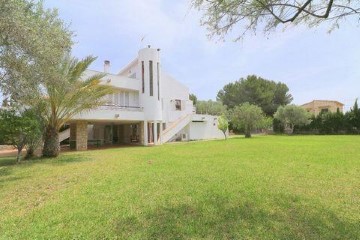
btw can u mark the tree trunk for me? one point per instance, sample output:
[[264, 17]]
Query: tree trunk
[[51, 143], [225, 135], [247, 133], [29, 152], [18, 157], [292, 128]]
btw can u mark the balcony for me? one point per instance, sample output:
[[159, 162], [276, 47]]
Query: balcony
[[121, 108], [113, 112]]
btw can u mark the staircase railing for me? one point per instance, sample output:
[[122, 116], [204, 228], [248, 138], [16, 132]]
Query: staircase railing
[[175, 127], [64, 135]]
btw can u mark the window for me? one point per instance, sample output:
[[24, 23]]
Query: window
[[324, 110], [142, 76], [110, 100], [133, 75], [158, 80], [135, 99], [178, 105], [151, 75], [126, 99], [121, 99], [117, 99]]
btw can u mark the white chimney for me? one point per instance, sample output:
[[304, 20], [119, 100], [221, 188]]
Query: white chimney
[[106, 66]]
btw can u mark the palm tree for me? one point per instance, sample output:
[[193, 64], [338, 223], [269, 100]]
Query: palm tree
[[68, 96]]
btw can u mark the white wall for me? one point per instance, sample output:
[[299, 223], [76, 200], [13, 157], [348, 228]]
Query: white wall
[[206, 129], [109, 113], [171, 91], [150, 103], [130, 69], [116, 80]]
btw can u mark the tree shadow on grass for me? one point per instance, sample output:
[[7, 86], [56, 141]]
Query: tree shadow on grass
[[7, 161], [60, 160], [221, 218], [67, 158], [7, 164], [6, 171]]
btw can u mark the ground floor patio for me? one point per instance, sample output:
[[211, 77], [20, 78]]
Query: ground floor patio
[[86, 134]]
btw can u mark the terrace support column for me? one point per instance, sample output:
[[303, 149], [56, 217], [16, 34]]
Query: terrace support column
[[145, 133], [160, 132], [81, 135], [141, 132], [155, 133], [72, 135]]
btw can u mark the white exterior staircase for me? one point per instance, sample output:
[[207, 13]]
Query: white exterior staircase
[[64, 135], [175, 127]]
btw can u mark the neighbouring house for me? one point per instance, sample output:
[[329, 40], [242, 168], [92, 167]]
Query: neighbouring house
[[150, 107], [320, 106]]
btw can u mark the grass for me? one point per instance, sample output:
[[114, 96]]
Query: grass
[[267, 187]]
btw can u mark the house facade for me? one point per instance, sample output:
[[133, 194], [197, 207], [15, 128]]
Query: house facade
[[149, 107], [320, 106]]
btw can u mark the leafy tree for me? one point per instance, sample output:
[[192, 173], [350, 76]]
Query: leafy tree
[[34, 71], [68, 97], [32, 42], [266, 94], [332, 123], [220, 17], [267, 123], [19, 128], [248, 117], [223, 124], [329, 123], [193, 98], [278, 127], [37, 140], [354, 116], [210, 107], [292, 115], [5, 102]]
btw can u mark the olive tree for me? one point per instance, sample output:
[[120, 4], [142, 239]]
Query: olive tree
[[36, 68], [248, 117], [33, 41], [222, 16], [20, 128], [223, 124], [292, 115]]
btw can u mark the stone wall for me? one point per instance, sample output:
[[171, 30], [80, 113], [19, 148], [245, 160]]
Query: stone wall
[[316, 106], [81, 135]]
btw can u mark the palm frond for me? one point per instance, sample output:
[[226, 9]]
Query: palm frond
[[69, 95]]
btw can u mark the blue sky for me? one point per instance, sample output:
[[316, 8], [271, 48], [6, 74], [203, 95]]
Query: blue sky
[[313, 63]]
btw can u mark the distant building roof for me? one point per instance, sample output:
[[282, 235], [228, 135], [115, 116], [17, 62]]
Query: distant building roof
[[332, 101]]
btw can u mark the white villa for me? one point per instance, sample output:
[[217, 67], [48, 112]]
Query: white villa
[[150, 107]]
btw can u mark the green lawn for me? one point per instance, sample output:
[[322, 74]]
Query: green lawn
[[267, 187]]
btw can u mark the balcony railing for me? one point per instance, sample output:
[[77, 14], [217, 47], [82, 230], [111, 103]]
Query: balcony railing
[[121, 108]]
